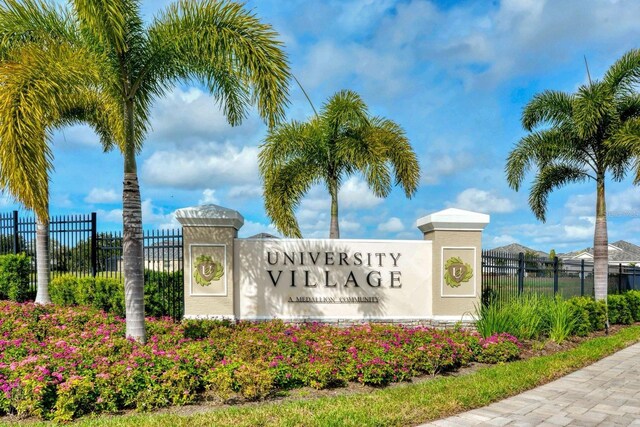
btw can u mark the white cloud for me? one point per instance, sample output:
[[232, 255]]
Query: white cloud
[[565, 234], [251, 228], [328, 61], [154, 215], [202, 166], [245, 191], [392, 225], [208, 197], [78, 136], [477, 200], [439, 165], [355, 194], [113, 215], [348, 226], [581, 204], [625, 203], [501, 240], [101, 195], [191, 115]]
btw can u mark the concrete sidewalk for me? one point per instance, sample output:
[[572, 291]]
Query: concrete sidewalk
[[606, 393]]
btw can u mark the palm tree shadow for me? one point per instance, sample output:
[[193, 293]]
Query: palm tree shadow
[[267, 288]]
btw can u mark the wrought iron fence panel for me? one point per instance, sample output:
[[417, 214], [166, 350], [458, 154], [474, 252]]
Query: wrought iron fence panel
[[76, 247]]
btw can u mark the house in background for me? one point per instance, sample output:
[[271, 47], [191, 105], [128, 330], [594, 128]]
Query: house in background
[[620, 252], [515, 249]]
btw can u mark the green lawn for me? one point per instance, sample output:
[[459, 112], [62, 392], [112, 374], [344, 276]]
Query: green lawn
[[410, 404]]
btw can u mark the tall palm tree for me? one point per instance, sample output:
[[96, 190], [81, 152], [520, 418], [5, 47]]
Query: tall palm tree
[[342, 140], [571, 139], [216, 43], [25, 155]]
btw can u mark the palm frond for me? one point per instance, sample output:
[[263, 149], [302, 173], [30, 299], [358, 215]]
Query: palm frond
[[107, 22], [624, 74], [344, 110], [284, 188], [41, 91], [540, 148], [549, 107], [34, 21], [594, 111], [235, 55], [548, 179]]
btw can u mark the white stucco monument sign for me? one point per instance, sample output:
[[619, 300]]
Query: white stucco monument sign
[[431, 281]]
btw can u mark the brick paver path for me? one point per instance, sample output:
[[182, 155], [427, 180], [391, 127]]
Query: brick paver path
[[606, 393]]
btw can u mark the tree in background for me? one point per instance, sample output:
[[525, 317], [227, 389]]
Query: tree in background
[[572, 139], [219, 44], [339, 142]]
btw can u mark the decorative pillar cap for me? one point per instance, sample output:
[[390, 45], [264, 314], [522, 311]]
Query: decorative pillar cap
[[209, 216], [453, 219]]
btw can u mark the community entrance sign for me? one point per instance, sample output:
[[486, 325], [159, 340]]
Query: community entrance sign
[[427, 281], [333, 279]]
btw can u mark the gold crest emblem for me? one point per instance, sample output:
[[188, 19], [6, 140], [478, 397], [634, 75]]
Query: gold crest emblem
[[206, 270], [456, 272]]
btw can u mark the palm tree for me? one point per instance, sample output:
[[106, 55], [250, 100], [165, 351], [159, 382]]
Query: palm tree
[[25, 155], [217, 43], [571, 139], [342, 140]]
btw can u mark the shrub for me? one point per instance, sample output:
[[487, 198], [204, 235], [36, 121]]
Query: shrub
[[590, 315], [162, 292], [62, 290], [499, 348], [14, 277], [633, 301], [102, 293], [254, 380], [61, 362], [85, 291], [619, 312], [109, 295]]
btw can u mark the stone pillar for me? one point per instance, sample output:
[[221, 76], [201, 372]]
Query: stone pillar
[[208, 238], [457, 261]]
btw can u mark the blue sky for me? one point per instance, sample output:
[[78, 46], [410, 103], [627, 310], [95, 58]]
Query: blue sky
[[454, 74]]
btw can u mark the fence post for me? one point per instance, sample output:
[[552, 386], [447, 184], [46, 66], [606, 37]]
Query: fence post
[[555, 275], [619, 277], [582, 277], [520, 273], [94, 244], [16, 240]]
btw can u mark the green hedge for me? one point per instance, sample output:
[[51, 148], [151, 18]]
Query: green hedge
[[102, 293], [14, 277], [633, 301], [619, 312], [591, 315], [162, 291]]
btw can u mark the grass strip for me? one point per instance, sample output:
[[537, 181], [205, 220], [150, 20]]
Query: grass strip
[[405, 405]]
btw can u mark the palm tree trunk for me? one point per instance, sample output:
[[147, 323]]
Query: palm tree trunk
[[601, 247], [42, 261], [132, 253], [334, 228]]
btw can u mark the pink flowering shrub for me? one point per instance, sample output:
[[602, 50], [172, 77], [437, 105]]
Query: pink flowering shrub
[[498, 348], [62, 362]]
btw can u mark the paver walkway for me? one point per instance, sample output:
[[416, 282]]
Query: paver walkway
[[606, 393]]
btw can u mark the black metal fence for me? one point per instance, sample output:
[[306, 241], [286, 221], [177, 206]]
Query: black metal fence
[[506, 275], [76, 247]]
